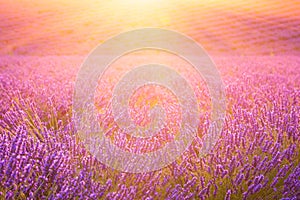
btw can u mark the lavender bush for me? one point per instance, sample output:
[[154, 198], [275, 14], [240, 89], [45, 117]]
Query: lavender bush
[[257, 156]]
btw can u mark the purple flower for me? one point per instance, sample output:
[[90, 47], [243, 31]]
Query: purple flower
[[239, 179], [228, 195], [257, 188]]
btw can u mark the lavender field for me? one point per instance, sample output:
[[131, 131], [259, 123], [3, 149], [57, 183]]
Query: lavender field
[[256, 157], [255, 46]]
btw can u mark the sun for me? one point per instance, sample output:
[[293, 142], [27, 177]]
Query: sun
[[140, 13]]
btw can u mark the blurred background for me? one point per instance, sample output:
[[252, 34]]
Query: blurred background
[[74, 27]]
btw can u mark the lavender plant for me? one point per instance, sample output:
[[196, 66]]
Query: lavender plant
[[256, 157]]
